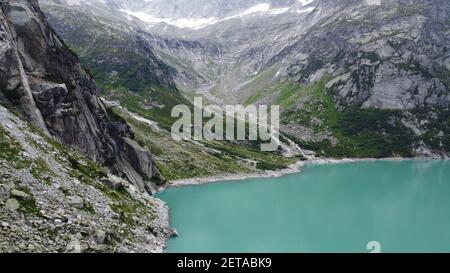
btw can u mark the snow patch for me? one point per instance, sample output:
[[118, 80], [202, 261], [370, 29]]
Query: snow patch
[[198, 23], [192, 23], [305, 2], [258, 9], [305, 10]]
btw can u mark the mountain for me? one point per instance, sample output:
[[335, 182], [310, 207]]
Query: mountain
[[112, 50], [42, 79], [354, 78], [357, 78], [117, 57], [72, 177]]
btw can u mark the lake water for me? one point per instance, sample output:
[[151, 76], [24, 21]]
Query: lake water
[[402, 205]]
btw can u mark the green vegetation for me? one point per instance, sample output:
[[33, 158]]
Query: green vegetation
[[366, 133], [122, 64], [262, 86], [90, 173], [28, 205], [178, 160], [155, 102], [317, 110], [12, 153], [84, 169], [53, 233], [357, 132], [125, 205], [11, 150], [186, 159], [125, 213], [314, 64], [415, 67], [437, 128], [267, 166], [41, 171], [88, 207], [103, 53], [319, 103], [78, 166], [250, 151], [113, 116]]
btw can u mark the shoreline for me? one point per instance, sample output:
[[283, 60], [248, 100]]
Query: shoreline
[[291, 169]]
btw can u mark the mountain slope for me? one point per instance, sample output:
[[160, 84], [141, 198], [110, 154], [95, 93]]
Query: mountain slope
[[389, 60], [112, 50], [43, 80], [122, 62], [84, 25], [354, 78], [54, 200]]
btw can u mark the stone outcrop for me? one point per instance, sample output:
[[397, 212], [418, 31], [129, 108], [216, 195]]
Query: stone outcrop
[[41, 78], [384, 54], [49, 204]]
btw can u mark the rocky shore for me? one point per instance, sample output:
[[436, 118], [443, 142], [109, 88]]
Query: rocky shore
[[54, 200], [294, 168]]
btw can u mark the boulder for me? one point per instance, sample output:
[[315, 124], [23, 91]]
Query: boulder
[[75, 201], [20, 195], [9, 186], [12, 204], [58, 223], [74, 246], [100, 236], [114, 182]]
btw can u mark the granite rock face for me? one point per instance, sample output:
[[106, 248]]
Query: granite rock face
[[382, 54], [41, 78]]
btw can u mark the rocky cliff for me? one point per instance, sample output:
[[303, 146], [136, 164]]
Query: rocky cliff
[[383, 54], [52, 199], [42, 79]]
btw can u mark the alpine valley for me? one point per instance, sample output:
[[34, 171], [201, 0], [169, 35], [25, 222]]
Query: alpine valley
[[87, 88]]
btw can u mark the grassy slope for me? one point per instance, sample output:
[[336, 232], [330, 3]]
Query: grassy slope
[[179, 160], [74, 164], [359, 132], [155, 102]]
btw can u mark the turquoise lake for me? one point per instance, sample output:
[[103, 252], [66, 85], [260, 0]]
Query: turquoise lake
[[403, 205]]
